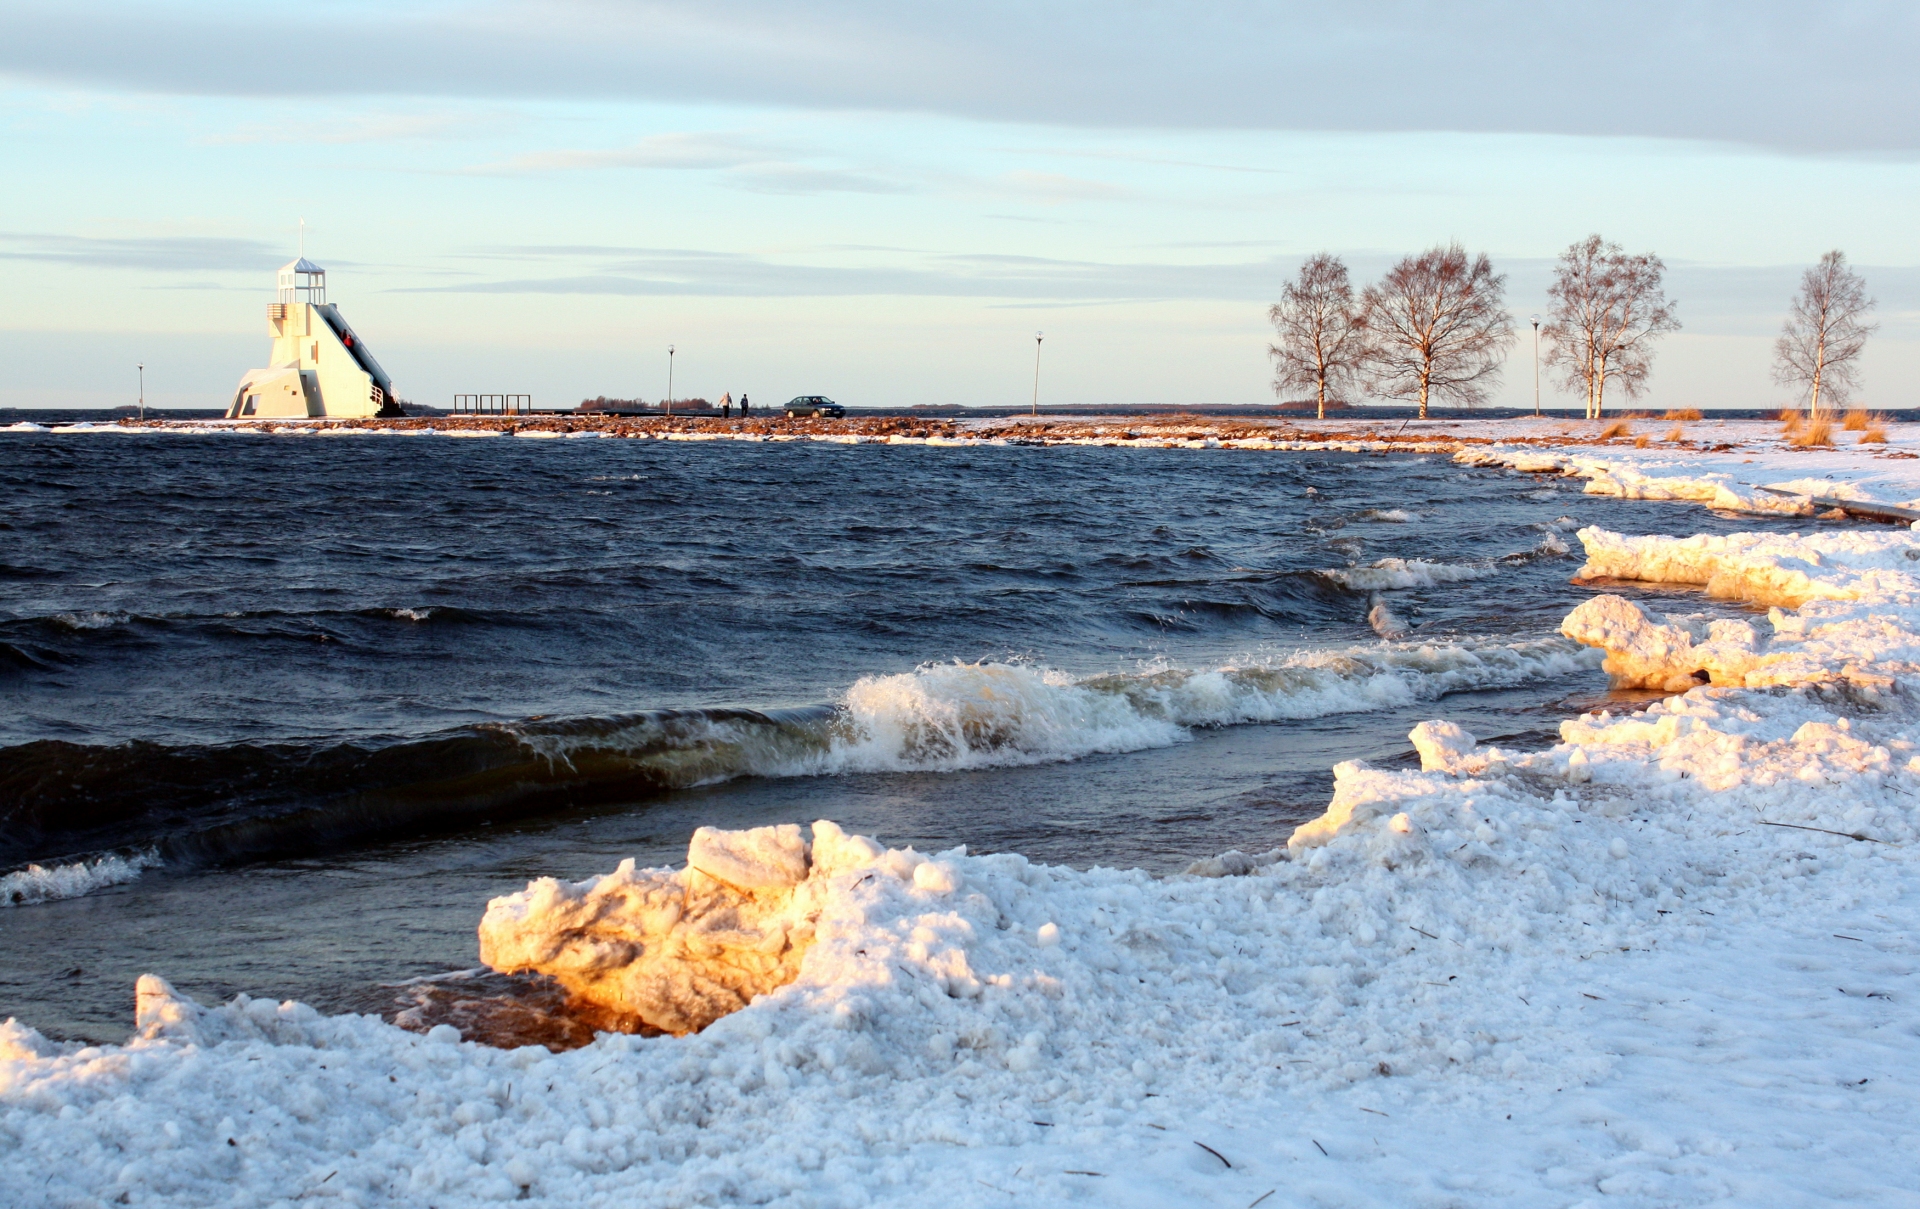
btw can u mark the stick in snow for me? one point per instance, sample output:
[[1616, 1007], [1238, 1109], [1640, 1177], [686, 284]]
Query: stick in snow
[[1847, 835], [1210, 1150]]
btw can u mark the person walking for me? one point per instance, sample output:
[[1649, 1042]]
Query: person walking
[[726, 405], [743, 407]]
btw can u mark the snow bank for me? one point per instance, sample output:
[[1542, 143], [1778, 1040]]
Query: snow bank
[[1857, 594], [1742, 478], [1661, 961]]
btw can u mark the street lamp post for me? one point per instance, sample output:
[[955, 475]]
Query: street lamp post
[[1536, 365], [142, 367], [1037, 338], [667, 405]]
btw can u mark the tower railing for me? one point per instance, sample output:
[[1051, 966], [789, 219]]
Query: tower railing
[[493, 405]]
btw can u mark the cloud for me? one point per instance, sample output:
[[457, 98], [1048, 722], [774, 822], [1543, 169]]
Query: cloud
[[695, 149], [798, 178], [1833, 78], [743, 161], [1053, 188], [351, 128], [1713, 299], [687, 273], [197, 254]]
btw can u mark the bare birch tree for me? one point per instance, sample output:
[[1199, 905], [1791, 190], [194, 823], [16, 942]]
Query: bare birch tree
[[1821, 342], [1438, 328], [1608, 309], [1319, 344]]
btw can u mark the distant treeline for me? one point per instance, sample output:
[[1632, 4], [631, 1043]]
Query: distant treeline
[[1436, 328]]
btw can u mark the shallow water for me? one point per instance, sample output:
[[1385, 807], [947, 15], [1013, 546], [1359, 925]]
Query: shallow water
[[348, 689]]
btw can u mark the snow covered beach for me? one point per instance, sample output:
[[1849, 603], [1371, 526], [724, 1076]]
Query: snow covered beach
[[1650, 965]]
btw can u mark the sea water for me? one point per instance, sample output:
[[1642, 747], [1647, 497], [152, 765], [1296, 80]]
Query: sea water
[[281, 713]]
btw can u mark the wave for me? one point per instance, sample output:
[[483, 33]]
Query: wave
[[969, 715], [1552, 545], [955, 716], [213, 804], [90, 621], [1392, 573], [39, 883], [1385, 622]]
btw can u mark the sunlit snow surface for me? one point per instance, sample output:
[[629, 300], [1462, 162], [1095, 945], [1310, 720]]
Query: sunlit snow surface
[[1669, 961]]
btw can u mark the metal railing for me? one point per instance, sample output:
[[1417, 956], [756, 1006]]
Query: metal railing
[[492, 405]]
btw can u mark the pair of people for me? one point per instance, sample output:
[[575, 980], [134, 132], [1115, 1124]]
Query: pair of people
[[726, 406]]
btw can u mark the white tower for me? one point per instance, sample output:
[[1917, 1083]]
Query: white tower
[[319, 366]]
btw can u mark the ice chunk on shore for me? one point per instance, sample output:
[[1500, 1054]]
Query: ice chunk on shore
[[1646, 650], [1442, 745], [765, 858], [160, 1011], [18, 1043], [678, 949]]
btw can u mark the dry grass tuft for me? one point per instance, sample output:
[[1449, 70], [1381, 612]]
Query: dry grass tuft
[[1619, 428], [1812, 433], [1874, 435], [1860, 421], [1642, 441], [1684, 413], [1679, 433]]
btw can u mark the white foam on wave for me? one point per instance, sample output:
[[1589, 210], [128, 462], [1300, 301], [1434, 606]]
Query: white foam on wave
[[41, 883], [948, 717], [90, 621], [1385, 622], [969, 715], [1398, 516], [1391, 573]]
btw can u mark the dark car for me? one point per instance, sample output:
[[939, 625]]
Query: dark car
[[815, 405]]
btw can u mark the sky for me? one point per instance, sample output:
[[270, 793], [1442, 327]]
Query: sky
[[885, 203]]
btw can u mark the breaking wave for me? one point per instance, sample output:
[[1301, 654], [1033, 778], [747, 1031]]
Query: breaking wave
[[1396, 574], [1393, 573], [200, 804], [964, 715], [39, 883]]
